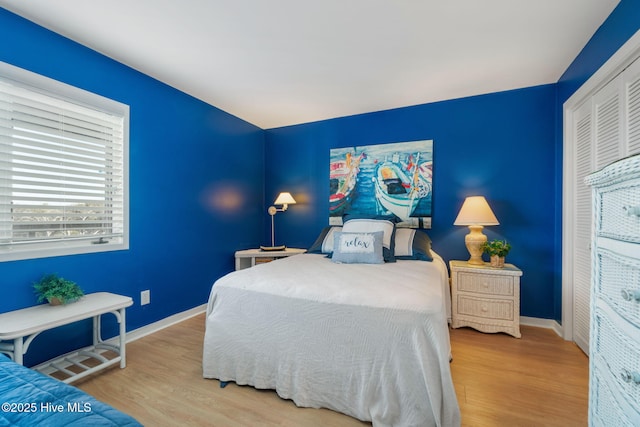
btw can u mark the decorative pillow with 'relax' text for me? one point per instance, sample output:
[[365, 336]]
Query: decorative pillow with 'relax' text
[[358, 248]]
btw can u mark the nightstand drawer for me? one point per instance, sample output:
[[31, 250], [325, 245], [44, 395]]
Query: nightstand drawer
[[490, 284], [486, 308]]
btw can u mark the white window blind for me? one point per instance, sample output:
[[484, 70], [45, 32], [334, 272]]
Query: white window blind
[[62, 169]]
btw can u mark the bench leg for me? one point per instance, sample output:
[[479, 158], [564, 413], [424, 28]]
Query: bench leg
[[123, 339], [18, 351]]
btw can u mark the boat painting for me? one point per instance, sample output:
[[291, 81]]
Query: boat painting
[[384, 179]]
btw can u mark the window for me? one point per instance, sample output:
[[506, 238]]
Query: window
[[63, 168]]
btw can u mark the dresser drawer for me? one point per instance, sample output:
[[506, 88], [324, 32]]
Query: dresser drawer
[[496, 309], [619, 215], [490, 284], [619, 284], [606, 408], [616, 345]]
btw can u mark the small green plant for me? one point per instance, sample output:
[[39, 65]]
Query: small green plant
[[496, 247], [57, 290]]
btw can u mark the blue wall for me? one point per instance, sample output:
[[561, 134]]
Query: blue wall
[[506, 146], [499, 145], [196, 189]]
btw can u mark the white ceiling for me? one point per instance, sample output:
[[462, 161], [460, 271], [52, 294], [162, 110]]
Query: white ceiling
[[281, 62]]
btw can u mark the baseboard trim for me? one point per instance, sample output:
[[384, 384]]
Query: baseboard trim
[[165, 323], [543, 323]]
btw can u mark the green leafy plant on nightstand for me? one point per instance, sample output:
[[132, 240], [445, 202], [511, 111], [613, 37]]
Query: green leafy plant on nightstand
[[497, 250], [57, 290]]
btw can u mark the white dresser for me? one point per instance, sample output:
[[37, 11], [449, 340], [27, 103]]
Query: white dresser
[[614, 354]]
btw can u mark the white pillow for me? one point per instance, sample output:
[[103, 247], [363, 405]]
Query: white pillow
[[412, 244], [324, 242], [327, 243]]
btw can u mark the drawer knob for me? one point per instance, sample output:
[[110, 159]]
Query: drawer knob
[[631, 210], [484, 309], [630, 295], [630, 377]]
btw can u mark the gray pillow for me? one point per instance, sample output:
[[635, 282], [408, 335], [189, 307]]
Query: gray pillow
[[358, 248]]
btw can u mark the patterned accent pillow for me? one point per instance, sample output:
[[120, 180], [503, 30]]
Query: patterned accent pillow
[[412, 244], [358, 248], [371, 225]]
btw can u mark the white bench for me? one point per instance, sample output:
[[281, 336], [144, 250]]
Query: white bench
[[18, 329]]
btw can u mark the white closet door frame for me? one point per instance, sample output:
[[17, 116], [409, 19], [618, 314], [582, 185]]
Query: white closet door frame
[[625, 56]]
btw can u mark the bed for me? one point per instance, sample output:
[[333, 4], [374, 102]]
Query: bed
[[30, 398], [369, 340]]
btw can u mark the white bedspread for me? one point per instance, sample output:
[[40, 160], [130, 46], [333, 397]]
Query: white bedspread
[[367, 340]]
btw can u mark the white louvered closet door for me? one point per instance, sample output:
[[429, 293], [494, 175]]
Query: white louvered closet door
[[632, 101], [583, 130], [608, 115], [606, 128]]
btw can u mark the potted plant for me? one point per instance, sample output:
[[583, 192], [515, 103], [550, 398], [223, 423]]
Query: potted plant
[[497, 250], [57, 290]]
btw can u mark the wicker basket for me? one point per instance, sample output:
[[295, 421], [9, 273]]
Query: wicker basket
[[497, 261]]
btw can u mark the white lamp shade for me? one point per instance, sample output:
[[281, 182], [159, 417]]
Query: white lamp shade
[[284, 199], [476, 211]]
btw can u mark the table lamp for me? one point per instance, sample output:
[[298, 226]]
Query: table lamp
[[285, 199], [475, 213]]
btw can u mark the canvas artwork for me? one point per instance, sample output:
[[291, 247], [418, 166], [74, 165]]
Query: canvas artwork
[[384, 179]]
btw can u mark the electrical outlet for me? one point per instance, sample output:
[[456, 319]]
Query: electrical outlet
[[145, 297]]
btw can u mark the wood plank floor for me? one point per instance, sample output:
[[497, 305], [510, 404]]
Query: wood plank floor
[[539, 380]]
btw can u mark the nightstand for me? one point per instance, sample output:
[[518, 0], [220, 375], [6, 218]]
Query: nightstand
[[485, 298], [250, 257]]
